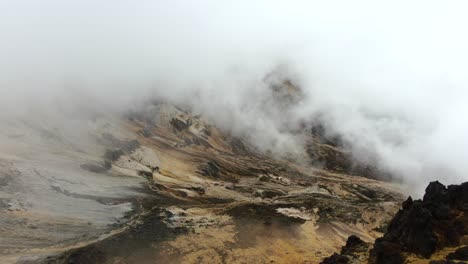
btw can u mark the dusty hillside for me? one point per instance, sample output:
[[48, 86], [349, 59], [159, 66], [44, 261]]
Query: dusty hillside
[[162, 185], [205, 197]]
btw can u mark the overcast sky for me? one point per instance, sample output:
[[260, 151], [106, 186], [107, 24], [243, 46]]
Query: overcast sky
[[390, 77]]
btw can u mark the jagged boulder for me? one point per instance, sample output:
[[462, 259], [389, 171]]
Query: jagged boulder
[[385, 252], [423, 226], [436, 199], [410, 230], [354, 244], [353, 251], [458, 196]]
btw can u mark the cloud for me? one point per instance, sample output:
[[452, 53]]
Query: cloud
[[389, 77]]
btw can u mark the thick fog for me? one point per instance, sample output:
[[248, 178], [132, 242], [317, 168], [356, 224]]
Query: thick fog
[[390, 78]]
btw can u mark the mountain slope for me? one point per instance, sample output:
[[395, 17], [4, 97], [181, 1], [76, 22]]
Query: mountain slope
[[212, 198]]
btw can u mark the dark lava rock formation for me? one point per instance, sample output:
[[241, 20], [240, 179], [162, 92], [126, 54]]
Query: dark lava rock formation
[[424, 226], [420, 229], [351, 252]]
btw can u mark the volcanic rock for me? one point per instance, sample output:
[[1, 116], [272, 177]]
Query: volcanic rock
[[460, 254], [355, 248], [424, 226], [336, 259]]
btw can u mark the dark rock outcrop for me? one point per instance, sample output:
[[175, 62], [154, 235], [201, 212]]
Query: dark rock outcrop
[[353, 250], [385, 252], [460, 254], [211, 169], [336, 259], [423, 226], [354, 244], [179, 124]]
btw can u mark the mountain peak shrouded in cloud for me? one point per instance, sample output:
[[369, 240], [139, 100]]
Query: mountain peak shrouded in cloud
[[216, 131], [389, 78]]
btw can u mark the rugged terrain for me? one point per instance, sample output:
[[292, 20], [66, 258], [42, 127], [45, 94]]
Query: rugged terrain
[[189, 192], [162, 185]]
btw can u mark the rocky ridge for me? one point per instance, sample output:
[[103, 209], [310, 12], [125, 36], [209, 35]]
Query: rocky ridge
[[432, 230]]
